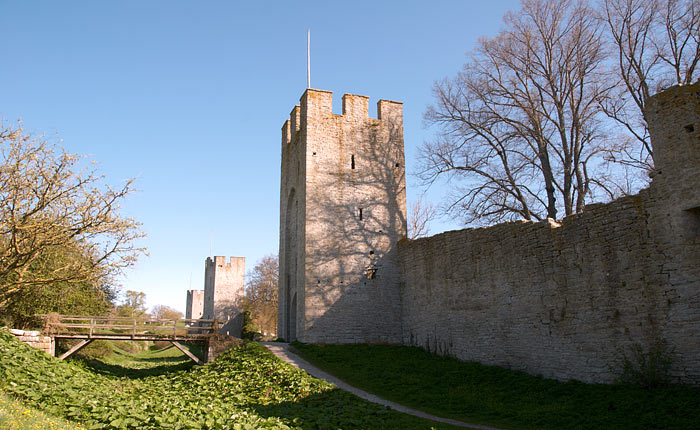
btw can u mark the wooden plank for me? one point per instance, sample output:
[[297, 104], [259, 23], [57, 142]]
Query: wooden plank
[[75, 349], [187, 352]]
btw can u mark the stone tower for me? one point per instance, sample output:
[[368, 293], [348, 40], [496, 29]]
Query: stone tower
[[195, 304], [224, 286], [342, 213]]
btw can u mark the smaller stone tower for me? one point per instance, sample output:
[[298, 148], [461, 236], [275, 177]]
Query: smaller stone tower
[[224, 288], [195, 304]]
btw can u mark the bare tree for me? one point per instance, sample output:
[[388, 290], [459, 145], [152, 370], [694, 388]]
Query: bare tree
[[165, 312], [46, 205], [656, 45], [261, 293], [422, 213], [520, 124]]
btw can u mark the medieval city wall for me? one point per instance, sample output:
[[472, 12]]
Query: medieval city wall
[[566, 299]]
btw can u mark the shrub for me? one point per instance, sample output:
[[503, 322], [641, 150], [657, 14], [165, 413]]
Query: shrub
[[650, 368], [96, 349], [250, 331]]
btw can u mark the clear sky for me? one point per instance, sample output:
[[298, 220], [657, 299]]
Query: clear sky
[[189, 98]]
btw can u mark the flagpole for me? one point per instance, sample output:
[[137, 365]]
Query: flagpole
[[308, 58]]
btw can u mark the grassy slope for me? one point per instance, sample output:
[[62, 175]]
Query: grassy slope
[[245, 388], [485, 394]]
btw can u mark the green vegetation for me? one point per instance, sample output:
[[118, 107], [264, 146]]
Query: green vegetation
[[245, 388], [16, 416], [133, 365], [490, 395]]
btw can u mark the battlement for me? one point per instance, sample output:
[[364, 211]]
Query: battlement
[[319, 104], [220, 261]]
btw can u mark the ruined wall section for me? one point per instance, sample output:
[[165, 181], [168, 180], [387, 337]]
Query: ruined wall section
[[195, 304], [562, 300], [36, 339]]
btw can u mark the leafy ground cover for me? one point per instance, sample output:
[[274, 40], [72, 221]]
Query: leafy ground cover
[[14, 415], [476, 393], [245, 388]]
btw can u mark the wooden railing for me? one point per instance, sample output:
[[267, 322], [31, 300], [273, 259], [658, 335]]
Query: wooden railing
[[115, 328]]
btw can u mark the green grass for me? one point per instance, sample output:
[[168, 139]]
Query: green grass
[[14, 415], [245, 388], [490, 395]]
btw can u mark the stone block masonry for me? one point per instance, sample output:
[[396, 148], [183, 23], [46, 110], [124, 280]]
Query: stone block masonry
[[563, 299]]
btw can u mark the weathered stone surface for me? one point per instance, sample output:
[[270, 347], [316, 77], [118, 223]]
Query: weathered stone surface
[[564, 301], [342, 211], [224, 287]]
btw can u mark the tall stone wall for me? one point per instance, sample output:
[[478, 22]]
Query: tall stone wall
[[224, 287], [563, 300], [195, 304], [343, 209]]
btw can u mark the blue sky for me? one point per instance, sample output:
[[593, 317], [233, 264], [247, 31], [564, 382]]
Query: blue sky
[[189, 98]]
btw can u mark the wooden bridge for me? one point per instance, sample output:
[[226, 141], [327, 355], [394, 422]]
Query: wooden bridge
[[90, 328]]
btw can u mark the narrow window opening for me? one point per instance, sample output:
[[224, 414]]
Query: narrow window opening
[[689, 128], [398, 165], [352, 161], [360, 214], [371, 254], [314, 153], [692, 221]]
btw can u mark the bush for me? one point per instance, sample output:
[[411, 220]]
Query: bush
[[96, 349], [250, 331]]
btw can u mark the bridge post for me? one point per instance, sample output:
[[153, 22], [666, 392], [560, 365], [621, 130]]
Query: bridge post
[[187, 352], [75, 349]]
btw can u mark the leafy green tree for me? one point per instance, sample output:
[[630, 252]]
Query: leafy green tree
[[82, 298], [133, 305], [59, 223]]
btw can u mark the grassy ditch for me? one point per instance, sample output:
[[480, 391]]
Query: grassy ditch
[[245, 388], [476, 393], [140, 364]]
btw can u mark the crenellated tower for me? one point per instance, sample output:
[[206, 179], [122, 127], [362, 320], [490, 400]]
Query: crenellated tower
[[342, 213], [224, 288], [195, 304]]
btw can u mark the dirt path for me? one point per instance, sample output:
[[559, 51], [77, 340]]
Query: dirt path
[[281, 350]]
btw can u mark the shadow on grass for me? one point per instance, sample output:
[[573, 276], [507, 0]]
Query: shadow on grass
[[141, 365], [111, 369], [335, 408]]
